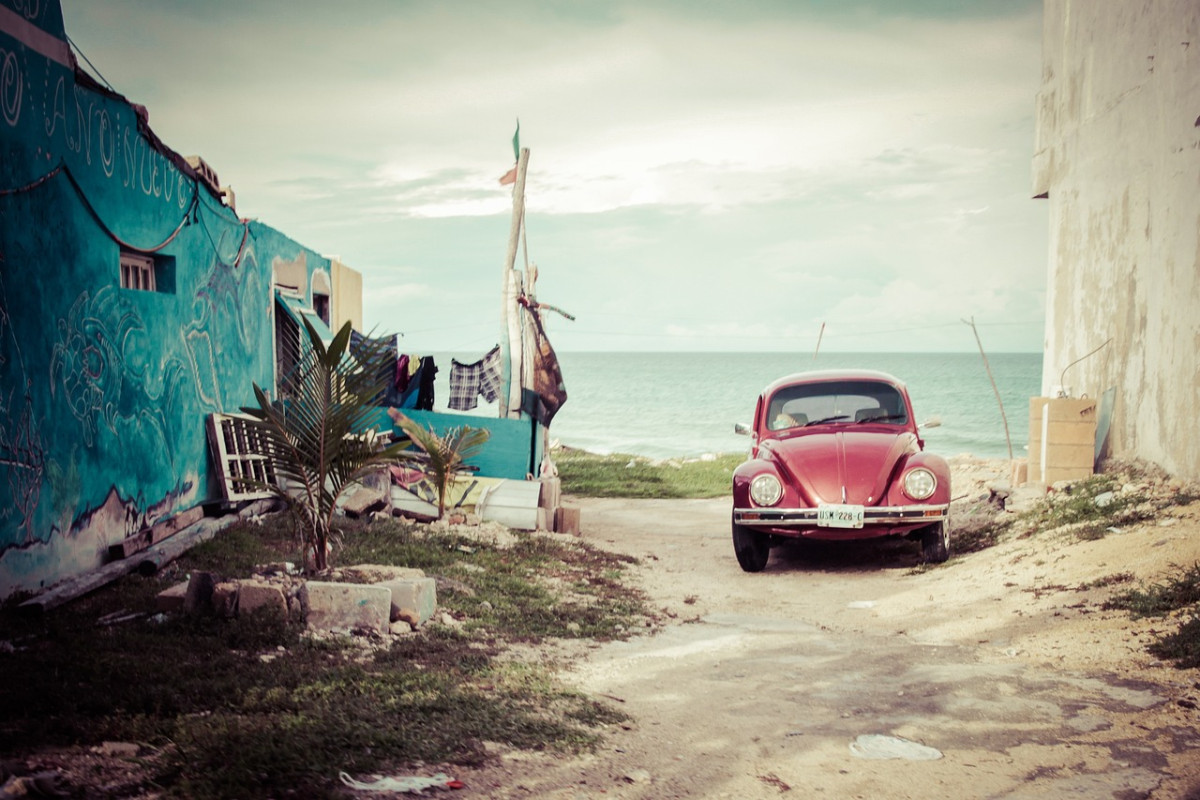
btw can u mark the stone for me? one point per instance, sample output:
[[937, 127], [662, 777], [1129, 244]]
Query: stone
[[171, 600], [253, 595], [198, 597], [374, 573], [359, 500], [344, 607], [412, 599], [225, 600]]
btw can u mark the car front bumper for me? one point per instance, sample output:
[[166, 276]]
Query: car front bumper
[[873, 516]]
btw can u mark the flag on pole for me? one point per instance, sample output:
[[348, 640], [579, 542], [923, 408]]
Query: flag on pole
[[511, 175]]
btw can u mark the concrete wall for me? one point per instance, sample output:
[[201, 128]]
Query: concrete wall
[[104, 390], [1118, 158], [347, 296]]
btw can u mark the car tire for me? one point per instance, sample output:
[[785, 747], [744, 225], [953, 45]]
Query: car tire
[[935, 543], [751, 548]]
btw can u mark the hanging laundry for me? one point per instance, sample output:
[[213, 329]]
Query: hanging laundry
[[419, 393], [468, 381], [549, 391], [400, 381]]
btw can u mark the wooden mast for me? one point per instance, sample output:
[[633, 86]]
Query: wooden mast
[[511, 345]]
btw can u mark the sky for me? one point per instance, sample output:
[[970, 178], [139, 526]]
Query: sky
[[770, 175]]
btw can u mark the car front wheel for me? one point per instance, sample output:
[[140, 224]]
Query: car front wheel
[[935, 543], [751, 548]]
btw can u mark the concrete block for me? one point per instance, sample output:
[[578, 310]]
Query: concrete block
[[374, 573], [253, 595], [345, 607], [170, 600], [413, 599]]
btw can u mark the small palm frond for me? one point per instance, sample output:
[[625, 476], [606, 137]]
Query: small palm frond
[[318, 437]]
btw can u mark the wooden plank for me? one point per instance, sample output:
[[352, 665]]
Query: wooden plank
[[156, 533], [152, 558]]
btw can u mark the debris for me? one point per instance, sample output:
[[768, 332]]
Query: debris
[[415, 784], [874, 745]]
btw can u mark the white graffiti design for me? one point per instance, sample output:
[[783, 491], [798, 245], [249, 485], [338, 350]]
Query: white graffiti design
[[11, 84]]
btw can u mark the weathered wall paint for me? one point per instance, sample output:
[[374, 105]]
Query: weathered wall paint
[[514, 448], [1118, 152], [104, 391]]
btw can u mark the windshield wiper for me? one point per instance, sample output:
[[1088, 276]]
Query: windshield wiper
[[884, 418], [827, 419]]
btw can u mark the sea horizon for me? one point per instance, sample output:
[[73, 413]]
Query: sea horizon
[[684, 404]]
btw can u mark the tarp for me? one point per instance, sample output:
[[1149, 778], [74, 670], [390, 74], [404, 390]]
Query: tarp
[[300, 312]]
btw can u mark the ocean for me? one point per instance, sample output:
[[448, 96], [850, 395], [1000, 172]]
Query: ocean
[[671, 405]]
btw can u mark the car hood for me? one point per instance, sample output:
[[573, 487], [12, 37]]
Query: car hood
[[821, 464]]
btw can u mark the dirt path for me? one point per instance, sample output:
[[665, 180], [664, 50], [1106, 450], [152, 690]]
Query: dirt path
[[994, 676]]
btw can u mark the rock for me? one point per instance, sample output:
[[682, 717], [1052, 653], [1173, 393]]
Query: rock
[[638, 776], [253, 595], [198, 597], [171, 600], [1104, 499], [225, 600]]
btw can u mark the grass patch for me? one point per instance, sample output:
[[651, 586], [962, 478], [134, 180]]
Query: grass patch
[[252, 708], [1159, 599], [1180, 592], [619, 475], [1090, 508]]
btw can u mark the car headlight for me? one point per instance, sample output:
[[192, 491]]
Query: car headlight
[[765, 490], [920, 483]]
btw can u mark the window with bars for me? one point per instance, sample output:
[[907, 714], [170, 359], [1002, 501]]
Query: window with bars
[[243, 457], [137, 272]]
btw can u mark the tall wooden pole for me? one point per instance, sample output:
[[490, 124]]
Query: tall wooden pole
[[511, 355]]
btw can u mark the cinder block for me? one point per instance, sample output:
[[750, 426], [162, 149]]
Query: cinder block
[[412, 599], [253, 595], [345, 607]]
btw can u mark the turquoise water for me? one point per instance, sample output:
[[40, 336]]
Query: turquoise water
[[685, 404]]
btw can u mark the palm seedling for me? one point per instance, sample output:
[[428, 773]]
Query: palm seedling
[[318, 437], [444, 456]]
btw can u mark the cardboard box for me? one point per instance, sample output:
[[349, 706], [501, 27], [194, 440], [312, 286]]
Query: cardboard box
[[1062, 439]]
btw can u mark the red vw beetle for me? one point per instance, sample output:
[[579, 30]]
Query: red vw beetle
[[837, 456]]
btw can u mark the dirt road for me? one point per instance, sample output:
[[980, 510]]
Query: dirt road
[[853, 673]]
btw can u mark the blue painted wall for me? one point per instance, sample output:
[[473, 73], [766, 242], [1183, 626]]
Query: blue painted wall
[[104, 391], [513, 449]]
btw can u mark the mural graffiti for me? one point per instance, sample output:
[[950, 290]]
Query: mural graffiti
[[22, 448], [11, 83], [101, 366]]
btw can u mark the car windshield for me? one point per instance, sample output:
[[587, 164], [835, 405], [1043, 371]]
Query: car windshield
[[845, 402]]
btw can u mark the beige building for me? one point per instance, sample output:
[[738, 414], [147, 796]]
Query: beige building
[[1118, 161]]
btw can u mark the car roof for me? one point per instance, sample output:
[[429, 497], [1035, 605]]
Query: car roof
[[827, 375]]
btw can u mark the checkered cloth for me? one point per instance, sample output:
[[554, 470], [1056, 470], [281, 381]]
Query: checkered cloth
[[468, 381]]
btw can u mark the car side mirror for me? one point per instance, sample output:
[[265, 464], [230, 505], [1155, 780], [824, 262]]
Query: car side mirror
[[742, 429], [932, 422]]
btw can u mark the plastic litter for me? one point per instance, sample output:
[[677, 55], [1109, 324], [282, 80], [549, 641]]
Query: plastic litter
[[874, 745], [414, 784]]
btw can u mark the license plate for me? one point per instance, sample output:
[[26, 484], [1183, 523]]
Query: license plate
[[839, 516]]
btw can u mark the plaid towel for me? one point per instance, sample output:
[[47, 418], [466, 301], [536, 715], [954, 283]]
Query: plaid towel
[[468, 381]]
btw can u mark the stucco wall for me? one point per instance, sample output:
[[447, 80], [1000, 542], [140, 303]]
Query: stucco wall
[[104, 390], [1118, 158]]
